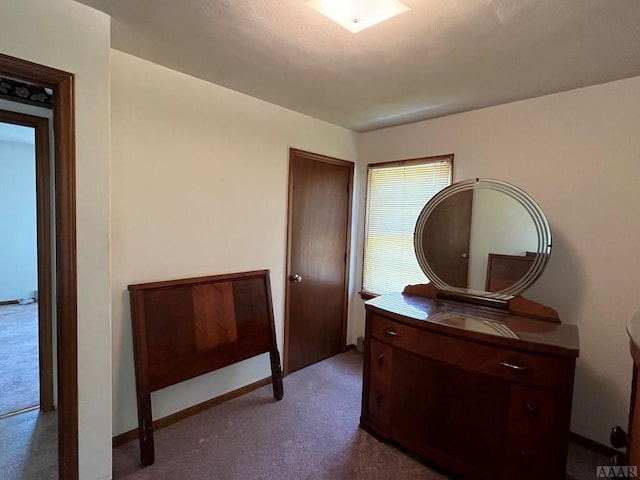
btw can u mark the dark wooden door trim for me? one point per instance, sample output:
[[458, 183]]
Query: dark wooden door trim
[[43, 221], [62, 84], [293, 152]]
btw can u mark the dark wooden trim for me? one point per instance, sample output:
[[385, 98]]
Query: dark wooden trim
[[43, 216], [318, 157], [9, 302], [592, 445], [414, 161], [45, 274], [65, 241], [66, 276], [287, 268], [335, 161], [32, 72], [131, 435], [347, 269]]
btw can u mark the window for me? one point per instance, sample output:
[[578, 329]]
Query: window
[[396, 193]]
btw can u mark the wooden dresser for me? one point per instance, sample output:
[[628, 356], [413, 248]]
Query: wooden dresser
[[480, 391], [633, 447]]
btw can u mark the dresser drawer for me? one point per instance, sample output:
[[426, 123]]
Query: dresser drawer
[[528, 460], [380, 367], [380, 362], [531, 412], [469, 355]]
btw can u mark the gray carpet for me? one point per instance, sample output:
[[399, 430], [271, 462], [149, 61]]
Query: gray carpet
[[311, 434], [19, 381], [28, 446]]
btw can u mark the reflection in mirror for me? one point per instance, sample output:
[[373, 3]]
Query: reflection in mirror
[[499, 225], [481, 236], [473, 324]]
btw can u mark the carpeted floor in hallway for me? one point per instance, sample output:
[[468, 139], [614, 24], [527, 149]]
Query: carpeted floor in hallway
[[19, 380]]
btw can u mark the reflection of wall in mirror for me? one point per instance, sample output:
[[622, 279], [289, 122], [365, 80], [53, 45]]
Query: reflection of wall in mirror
[[499, 224]]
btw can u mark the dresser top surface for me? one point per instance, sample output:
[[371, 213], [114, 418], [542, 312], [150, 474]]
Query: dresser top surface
[[480, 323]]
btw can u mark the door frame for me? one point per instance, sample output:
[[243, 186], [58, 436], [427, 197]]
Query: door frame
[[294, 152], [64, 163], [43, 235]]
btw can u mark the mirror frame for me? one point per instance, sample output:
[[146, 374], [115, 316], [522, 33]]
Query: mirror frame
[[541, 224]]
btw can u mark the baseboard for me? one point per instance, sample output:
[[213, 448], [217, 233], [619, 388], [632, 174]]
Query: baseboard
[[161, 423], [592, 445], [9, 302]]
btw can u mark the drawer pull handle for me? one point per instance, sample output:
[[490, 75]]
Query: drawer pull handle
[[533, 411], [378, 398], [513, 366], [380, 359], [391, 332]]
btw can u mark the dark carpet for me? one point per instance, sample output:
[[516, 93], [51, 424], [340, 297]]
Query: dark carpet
[[311, 434], [19, 381]]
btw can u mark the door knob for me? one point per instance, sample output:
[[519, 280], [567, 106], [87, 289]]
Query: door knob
[[464, 255], [296, 278]]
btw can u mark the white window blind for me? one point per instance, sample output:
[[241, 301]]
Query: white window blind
[[396, 193]]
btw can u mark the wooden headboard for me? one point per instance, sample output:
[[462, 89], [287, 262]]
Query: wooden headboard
[[188, 327]]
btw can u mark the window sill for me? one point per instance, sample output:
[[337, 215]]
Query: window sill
[[368, 295]]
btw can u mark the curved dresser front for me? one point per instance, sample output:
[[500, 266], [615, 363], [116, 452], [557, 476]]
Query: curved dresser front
[[481, 392]]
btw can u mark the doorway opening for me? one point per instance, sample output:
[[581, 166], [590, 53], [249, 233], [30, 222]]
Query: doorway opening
[[26, 366], [26, 299], [64, 239]]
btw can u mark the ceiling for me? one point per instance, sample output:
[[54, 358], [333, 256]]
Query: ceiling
[[439, 58]]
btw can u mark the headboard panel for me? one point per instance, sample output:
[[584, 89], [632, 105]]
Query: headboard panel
[[188, 327]]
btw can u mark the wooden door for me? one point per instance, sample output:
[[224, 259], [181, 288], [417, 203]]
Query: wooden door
[[447, 236], [320, 192]]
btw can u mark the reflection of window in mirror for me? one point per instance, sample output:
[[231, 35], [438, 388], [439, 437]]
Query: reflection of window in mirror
[[396, 193]]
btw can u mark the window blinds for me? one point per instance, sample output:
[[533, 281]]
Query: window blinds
[[396, 193]]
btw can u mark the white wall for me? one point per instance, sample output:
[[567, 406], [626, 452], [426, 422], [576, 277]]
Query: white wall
[[66, 35], [18, 247], [499, 224], [199, 187], [577, 154]]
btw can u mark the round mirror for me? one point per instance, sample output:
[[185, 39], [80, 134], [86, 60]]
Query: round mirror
[[482, 237]]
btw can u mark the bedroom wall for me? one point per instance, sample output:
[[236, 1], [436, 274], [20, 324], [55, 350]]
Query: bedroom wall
[[18, 251], [199, 187], [577, 153], [72, 37]]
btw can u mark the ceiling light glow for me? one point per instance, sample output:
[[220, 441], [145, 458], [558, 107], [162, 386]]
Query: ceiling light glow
[[356, 15]]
